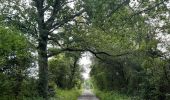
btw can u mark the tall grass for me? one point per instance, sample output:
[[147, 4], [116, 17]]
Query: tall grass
[[111, 95], [67, 94]]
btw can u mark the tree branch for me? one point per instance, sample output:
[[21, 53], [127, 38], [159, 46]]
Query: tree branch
[[125, 2], [66, 20], [56, 8], [95, 53], [149, 8]]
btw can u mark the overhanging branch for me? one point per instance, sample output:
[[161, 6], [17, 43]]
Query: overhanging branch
[[95, 53]]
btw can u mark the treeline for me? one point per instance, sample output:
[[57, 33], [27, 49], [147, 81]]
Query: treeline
[[136, 57], [65, 72], [140, 76]]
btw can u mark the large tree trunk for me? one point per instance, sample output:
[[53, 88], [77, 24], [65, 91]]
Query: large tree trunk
[[42, 50], [43, 66]]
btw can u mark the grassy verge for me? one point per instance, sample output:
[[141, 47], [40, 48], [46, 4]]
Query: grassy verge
[[60, 95], [68, 94], [112, 95]]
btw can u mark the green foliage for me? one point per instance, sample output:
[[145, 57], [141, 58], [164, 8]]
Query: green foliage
[[28, 90], [142, 77], [64, 71], [59, 70], [111, 95], [110, 26], [13, 45], [109, 75], [15, 59], [68, 94]]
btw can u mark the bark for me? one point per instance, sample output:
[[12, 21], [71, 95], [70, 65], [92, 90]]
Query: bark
[[43, 67], [42, 50], [43, 61], [73, 71]]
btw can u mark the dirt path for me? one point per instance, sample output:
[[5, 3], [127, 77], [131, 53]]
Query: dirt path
[[87, 95]]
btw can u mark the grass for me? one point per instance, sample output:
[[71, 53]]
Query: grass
[[67, 94], [111, 95], [60, 95]]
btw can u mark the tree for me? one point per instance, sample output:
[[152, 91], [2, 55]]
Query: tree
[[40, 18], [46, 22], [64, 71], [15, 60], [133, 26]]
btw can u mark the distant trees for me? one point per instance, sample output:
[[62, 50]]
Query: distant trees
[[65, 72]]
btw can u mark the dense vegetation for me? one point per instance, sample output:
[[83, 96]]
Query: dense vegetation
[[17, 60], [112, 95], [41, 42], [145, 78], [64, 71]]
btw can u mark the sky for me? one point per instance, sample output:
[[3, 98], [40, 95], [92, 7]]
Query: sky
[[85, 62]]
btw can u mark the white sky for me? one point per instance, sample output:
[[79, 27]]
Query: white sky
[[85, 62]]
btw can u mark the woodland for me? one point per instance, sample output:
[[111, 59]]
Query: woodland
[[42, 41]]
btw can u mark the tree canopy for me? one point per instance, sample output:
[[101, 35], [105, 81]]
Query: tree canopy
[[123, 36]]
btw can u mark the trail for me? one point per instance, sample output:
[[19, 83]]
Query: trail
[[87, 95]]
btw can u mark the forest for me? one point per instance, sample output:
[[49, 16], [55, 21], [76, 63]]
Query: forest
[[42, 42]]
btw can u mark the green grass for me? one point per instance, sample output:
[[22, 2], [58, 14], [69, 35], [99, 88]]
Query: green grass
[[60, 95], [67, 94], [112, 95]]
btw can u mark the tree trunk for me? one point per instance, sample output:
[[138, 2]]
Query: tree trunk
[[43, 65], [42, 51], [73, 70]]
